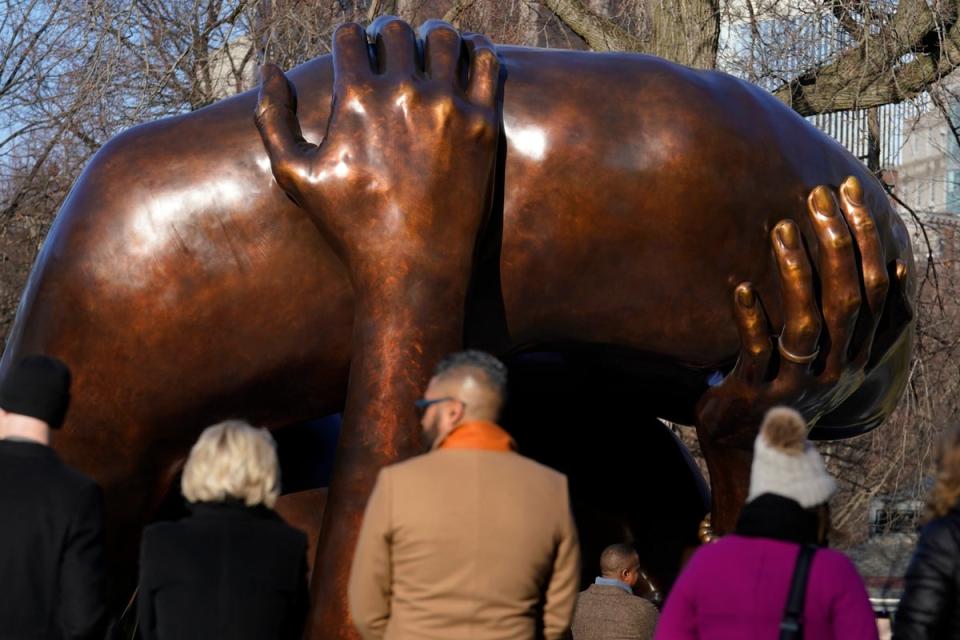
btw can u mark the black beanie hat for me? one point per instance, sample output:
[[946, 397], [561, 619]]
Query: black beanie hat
[[39, 387]]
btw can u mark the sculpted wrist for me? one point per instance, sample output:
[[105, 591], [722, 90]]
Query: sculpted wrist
[[413, 283]]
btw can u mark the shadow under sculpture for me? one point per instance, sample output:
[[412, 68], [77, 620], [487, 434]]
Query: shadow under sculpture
[[633, 199]]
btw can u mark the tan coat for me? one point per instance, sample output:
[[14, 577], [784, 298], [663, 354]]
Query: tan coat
[[462, 543], [609, 613]]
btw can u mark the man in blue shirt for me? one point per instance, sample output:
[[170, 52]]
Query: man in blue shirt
[[608, 610]]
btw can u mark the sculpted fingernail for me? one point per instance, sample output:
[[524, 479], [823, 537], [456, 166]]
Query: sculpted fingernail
[[853, 190], [823, 202], [901, 270], [745, 295], [787, 233]]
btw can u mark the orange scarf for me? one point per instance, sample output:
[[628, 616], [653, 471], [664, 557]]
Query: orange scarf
[[478, 434]]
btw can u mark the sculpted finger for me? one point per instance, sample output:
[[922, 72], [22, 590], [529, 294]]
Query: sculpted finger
[[441, 50], [902, 271], [897, 314], [755, 346], [396, 46], [276, 120], [351, 57], [876, 280], [839, 276], [801, 324], [484, 78]]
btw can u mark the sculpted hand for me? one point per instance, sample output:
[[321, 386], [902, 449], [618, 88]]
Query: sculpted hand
[[400, 186], [823, 351], [401, 181]]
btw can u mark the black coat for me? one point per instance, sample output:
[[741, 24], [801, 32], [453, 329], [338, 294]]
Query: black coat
[[930, 607], [226, 571], [51, 547]]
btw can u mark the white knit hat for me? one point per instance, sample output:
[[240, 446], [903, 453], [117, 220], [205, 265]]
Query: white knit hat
[[786, 463]]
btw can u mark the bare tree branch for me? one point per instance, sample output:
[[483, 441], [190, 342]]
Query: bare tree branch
[[684, 31], [841, 11], [600, 34], [14, 200], [944, 110], [455, 12], [381, 7], [931, 267], [872, 73]]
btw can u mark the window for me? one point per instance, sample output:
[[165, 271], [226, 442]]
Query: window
[[893, 520]]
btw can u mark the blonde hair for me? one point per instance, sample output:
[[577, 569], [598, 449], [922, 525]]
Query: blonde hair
[[232, 460], [946, 487]]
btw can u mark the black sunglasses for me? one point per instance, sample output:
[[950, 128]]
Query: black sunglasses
[[423, 404]]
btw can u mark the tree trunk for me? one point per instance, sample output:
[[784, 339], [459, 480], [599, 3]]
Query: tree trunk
[[685, 31], [873, 141]]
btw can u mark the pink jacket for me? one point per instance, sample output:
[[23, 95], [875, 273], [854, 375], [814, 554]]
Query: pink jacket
[[736, 589]]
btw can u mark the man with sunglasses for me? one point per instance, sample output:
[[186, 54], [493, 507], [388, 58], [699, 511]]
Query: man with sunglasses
[[470, 539]]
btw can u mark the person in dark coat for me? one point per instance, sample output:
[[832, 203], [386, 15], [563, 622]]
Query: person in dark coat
[[930, 606], [608, 609], [232, 569], [51, 546]]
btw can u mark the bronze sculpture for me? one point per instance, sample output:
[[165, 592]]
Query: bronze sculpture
[[182, 284]]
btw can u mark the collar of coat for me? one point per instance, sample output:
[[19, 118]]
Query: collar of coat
[[478, 434], [777, 517], [230, 508], [613, 582], [25, 447]]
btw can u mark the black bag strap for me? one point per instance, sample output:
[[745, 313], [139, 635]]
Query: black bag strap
[[791, 627]]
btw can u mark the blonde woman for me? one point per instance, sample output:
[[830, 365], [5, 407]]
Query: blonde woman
[[232, 569], [930, 607]]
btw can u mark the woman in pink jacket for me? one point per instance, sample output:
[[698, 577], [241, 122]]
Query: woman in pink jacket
[[738, 587]]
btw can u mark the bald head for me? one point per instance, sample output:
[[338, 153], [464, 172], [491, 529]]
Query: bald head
[[618, 559], [477, 379]]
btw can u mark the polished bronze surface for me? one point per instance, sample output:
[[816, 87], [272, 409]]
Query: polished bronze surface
[[633, 202]]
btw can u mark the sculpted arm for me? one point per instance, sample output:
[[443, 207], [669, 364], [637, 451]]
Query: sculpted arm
[[400, 188], [824, 348]]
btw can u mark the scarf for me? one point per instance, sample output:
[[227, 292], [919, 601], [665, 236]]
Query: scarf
[[478, 434]]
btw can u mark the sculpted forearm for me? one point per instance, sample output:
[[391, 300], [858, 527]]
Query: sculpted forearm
[[400, 187], [399, 334]]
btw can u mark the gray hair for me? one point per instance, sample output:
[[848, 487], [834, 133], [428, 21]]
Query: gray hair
[[494, 371]]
